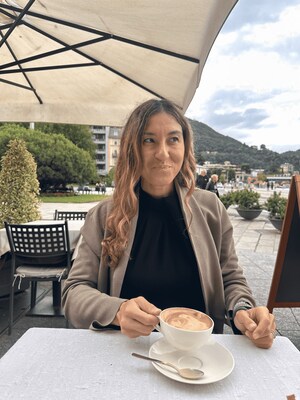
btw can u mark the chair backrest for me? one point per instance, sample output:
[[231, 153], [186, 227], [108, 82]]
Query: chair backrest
[[73, 215], [35, 244]]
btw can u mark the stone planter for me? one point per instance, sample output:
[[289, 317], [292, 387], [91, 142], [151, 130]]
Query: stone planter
[[248, 214], [277, 223]]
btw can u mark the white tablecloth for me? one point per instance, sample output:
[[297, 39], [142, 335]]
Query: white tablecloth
[[73, 226], [62, 364]]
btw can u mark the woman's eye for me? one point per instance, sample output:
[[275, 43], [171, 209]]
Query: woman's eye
[[174, 139], [148, 140]]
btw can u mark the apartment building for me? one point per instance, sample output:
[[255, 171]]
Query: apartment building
[[107, 141]]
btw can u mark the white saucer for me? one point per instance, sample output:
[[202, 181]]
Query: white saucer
[[213, 359]]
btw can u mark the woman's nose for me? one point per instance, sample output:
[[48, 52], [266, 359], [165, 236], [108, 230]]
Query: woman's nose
[[161, 152]]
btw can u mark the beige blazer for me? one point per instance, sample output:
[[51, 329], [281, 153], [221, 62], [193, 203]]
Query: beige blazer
[[91, 291]]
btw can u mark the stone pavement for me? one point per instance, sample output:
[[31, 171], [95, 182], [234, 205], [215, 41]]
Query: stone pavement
[[256, 243]]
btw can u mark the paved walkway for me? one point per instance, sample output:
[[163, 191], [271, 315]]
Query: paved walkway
[[256, 243]]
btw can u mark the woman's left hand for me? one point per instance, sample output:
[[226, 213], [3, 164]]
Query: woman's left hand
[[258, 324]]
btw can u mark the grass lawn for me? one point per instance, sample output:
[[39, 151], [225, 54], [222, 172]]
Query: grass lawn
[[80, 198]]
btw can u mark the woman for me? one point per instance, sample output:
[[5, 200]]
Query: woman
[[212, 184], [159, 242]]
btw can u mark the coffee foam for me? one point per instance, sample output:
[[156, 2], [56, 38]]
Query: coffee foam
[[187, 319]]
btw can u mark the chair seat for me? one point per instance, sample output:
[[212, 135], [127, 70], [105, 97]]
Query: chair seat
[[39, 253], [44, 272]]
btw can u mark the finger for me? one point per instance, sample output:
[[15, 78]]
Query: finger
[[270, 332], [132, 319], [264, 342], [265, 325], [257, 320], [133, 329], [143, 311], [147, 307], [243, 321], [263, 336]]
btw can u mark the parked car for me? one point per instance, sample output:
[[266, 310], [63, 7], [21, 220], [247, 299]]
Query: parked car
[[59, 189], [84, 189]]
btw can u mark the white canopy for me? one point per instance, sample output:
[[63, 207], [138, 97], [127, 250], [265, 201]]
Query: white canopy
[[92, 61]]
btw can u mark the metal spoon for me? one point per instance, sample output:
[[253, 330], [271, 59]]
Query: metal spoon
[[187, 373]]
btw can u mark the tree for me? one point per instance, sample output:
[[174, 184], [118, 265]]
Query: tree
[[59, 161], [246, 168], [19, 187], [274, 169], [77, 134], [262, 177], [110, 177], [231, 175]]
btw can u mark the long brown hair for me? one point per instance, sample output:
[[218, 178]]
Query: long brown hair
[[128, 173]]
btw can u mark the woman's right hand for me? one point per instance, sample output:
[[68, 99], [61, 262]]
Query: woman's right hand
[[137, 317]]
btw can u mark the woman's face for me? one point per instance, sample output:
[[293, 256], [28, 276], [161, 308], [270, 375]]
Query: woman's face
[[162, 154]]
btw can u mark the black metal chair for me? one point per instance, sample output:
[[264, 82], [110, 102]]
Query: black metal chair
[[39, 253], [72, 215]]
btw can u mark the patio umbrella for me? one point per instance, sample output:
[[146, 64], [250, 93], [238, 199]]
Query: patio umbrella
[[91, 62]]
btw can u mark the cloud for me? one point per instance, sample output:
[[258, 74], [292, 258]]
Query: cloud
[[256, 12], [250, 86], [220, 116]]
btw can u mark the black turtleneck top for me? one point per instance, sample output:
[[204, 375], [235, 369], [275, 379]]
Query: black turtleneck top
[[162, 266]]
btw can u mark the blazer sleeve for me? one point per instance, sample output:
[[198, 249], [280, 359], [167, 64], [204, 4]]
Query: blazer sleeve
[[85, 301], [223, 281]]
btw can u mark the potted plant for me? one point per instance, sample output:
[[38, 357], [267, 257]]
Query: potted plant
[[248, 205], [276, 205], [227, 199]]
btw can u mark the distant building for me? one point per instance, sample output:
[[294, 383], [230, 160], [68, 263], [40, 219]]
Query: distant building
[[225, 167], [107, 141], [287, 168], [114, 139], [210, 166]]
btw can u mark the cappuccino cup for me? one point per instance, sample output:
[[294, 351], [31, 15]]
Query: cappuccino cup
[[185, 328]]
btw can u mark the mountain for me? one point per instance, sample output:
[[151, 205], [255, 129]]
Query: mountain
[[217, 148]]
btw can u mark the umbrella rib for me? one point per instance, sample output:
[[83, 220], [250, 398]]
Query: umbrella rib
[[16, 84], [16, 22], [104, 35], [53, 52], [66, 47], [93, 64], [3, 27], [110, 36], [22, 71], [47, 68]]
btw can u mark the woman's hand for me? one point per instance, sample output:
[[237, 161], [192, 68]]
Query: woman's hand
[[137, 317], [258, 324]]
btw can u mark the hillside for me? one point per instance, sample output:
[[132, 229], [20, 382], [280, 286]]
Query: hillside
[[217, 148]]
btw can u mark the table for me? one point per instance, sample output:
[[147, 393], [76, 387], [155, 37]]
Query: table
[[75, 364], [44, 307]]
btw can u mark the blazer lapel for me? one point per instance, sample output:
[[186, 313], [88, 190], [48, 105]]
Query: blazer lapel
[[117, 274]]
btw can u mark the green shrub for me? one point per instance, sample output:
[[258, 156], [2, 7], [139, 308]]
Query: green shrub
[[247, 199], [276, 205], [19, 187], [228, 199]]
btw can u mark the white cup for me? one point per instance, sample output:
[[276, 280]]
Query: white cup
[[185, 328]]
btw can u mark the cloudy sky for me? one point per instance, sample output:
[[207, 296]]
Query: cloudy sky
[[250, 86]]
